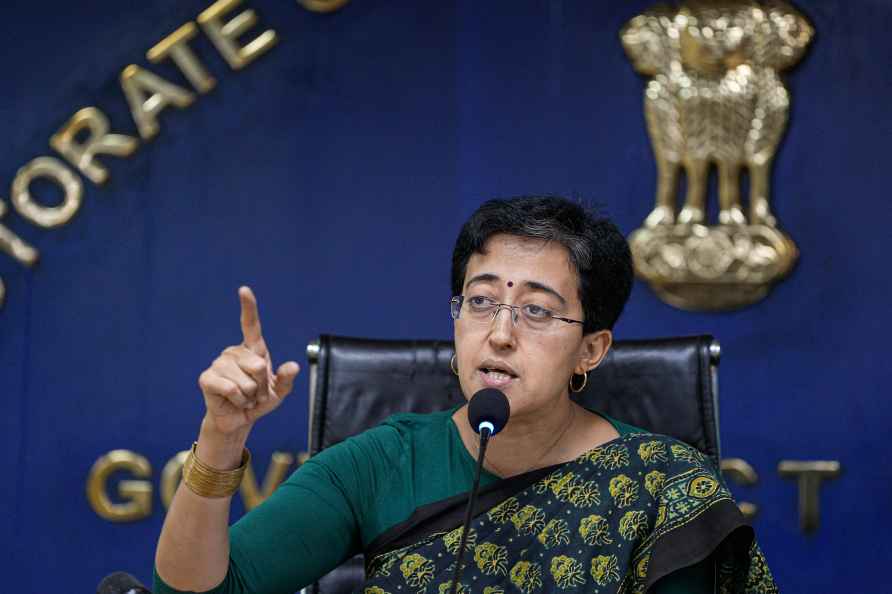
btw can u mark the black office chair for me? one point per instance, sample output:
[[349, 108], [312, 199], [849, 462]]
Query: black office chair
[[667, 386]]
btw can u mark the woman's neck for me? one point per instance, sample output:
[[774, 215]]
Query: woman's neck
[[538, 438]]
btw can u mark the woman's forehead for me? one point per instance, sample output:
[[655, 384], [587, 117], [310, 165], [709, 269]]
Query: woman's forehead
[[521, 260]]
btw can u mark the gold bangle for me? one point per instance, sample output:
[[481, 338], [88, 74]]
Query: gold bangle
[[206, 481]]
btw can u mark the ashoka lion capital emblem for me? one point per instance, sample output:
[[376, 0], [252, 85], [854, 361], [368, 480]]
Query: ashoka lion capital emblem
[[714, 97]]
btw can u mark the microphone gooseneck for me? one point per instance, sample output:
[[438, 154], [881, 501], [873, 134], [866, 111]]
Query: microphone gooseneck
[[488, 412]]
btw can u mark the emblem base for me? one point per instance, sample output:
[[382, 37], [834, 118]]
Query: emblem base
[[712, 268]]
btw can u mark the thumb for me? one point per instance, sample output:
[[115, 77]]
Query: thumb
[[285, 378]]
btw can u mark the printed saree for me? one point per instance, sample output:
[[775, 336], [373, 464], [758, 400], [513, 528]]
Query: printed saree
[[614, 520]]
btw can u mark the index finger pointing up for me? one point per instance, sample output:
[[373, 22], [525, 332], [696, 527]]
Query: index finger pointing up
[[250, 318]]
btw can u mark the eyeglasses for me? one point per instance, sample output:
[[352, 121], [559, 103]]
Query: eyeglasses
[[483, 310]]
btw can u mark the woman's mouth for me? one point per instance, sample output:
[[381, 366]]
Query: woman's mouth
[[495, 377]]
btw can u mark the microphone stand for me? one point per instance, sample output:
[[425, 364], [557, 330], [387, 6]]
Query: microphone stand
[[485, 431]]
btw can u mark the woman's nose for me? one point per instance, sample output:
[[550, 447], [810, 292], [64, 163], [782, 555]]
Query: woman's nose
[[501, 334]]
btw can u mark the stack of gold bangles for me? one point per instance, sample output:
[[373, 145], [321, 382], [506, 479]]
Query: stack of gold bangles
[[207, 481]]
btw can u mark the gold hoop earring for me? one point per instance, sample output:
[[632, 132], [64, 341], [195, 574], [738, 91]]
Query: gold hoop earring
[[584, 382], [452, 365]]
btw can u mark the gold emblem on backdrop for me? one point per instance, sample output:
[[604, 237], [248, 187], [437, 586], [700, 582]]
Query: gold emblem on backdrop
[[714, 98]]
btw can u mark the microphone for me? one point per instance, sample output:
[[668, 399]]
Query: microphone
[[488, 409], [121, 583], [488, 412]]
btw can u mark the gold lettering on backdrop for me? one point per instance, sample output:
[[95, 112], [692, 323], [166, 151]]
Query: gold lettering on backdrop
[[12, 245], [809, 474], [740, 472], [224, 35], [137, 493], [82, 153], [54, 170], [148, 95], [252, 496], [714, 97], [170, 477], [176, 46], [140, 492], [322, 5]]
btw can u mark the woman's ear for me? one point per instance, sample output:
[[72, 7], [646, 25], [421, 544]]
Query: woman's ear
[[593, 350]]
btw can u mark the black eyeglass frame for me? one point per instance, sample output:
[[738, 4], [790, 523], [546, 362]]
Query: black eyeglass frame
[[456, 302]]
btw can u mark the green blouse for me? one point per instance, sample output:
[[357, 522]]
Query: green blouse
[[341, 499]]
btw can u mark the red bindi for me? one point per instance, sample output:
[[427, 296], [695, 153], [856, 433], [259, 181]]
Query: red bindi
[[510, 283]]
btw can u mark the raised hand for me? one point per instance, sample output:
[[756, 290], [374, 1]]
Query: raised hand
[[240, 387]]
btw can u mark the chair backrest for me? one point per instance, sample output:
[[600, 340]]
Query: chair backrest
[[667, 385]]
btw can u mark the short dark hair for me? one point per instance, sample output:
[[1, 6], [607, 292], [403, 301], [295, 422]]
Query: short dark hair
[[598, 250]]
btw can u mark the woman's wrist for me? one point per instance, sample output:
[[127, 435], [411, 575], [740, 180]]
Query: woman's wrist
[[222, 451]]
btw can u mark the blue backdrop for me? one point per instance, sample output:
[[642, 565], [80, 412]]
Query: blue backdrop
[[333, 174]]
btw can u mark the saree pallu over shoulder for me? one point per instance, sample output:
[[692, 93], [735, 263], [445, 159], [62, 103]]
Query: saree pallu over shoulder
[[615, 520]]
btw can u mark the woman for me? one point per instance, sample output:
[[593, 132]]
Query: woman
[[571, 500]]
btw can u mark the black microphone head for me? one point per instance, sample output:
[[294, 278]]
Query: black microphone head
[[489, 406], [121, 583]]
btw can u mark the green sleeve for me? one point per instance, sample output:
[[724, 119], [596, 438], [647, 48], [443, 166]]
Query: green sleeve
[[312, 522], [694, 579]]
